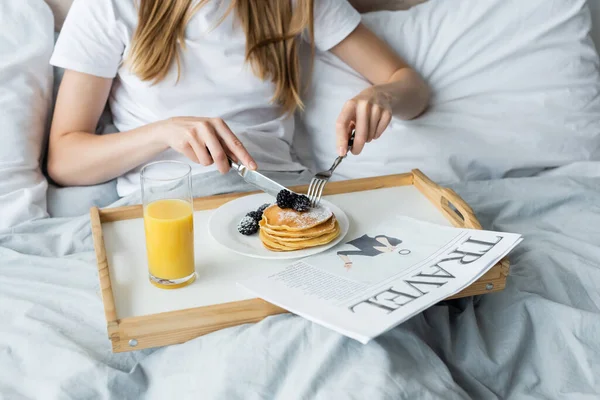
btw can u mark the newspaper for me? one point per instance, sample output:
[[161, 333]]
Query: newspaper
[[370, 284]]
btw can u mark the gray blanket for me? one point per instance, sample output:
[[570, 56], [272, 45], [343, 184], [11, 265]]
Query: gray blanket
[[539, 338]]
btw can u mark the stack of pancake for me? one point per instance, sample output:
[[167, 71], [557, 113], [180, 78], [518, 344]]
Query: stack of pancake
[[289, 230]]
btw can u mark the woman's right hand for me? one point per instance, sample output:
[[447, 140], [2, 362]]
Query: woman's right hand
[[204, 141]]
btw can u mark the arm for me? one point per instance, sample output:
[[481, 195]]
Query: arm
[[77, 156], [397, 89]]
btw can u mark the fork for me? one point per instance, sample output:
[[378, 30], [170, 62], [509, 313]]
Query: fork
[[318, 182]]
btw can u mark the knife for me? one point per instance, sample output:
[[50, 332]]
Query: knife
[[257, 179]]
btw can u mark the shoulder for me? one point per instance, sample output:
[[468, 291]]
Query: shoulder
[[80, 8], [334, 20], [94, 36], [101, 20], [107, 11], [331, 8]]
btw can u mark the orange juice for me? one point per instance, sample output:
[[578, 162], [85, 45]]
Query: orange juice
[[169, 226]]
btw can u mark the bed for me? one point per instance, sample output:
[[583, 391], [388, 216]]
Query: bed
[[536, 339]]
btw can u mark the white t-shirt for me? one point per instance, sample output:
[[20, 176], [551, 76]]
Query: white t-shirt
[[215, 80]]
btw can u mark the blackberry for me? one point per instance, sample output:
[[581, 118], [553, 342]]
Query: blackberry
[[301, 203], [255, 215], [262, 208], [285, 199], [247, 226]]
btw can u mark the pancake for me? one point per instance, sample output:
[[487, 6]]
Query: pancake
[[290, 230], [266, 245], [321, 229], [290, 220], [321, 240], [278, 244], [301, 236]]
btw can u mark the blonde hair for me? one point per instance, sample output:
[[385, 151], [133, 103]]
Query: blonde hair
[[271, 27]]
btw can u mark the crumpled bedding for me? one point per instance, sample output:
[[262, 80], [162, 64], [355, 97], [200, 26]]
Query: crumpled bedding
[[539, 338]]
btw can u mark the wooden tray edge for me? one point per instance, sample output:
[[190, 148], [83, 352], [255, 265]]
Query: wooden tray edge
[[450, 204], [179, 326], [108, 300]]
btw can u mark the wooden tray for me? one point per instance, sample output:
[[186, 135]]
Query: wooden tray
[[162, 317]]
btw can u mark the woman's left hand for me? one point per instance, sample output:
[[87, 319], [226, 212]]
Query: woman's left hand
[[369, 114]]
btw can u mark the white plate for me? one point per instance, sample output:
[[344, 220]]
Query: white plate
[[222, 226]]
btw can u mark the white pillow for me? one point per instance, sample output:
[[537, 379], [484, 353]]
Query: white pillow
[[26, 42], [517, 90]]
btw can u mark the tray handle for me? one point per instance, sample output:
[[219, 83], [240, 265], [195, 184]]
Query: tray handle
[[447, 201]]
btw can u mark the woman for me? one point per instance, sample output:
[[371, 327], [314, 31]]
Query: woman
[[198, 80]]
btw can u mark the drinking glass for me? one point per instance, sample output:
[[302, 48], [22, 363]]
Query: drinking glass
[[168, 223]]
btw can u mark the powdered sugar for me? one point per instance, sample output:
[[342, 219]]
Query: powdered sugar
[[308, 218]]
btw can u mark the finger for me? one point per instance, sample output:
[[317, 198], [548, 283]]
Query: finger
[[197, 145], [384, 122], [374, 121], [189, 153], [343, 126], [233, 145], [216, 150], [363, 114]]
